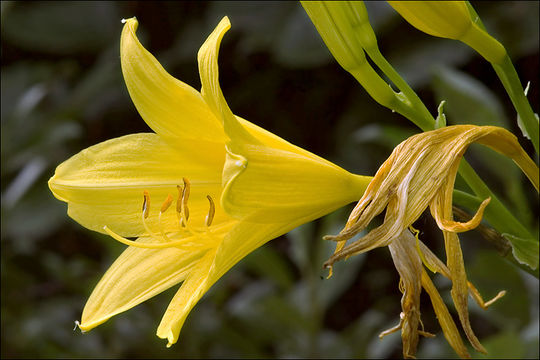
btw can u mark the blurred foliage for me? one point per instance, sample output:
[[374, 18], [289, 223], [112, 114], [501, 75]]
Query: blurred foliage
[[62, 91]]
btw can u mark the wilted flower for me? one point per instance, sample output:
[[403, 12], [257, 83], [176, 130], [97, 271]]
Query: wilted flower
[[234, 187], [419, 173]]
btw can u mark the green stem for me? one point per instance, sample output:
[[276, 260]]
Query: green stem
[[510, 80], [421, 117]]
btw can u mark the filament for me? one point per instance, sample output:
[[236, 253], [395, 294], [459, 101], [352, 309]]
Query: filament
[[161, 245]]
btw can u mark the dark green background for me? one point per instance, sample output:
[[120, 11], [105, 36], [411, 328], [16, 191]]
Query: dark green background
[[62, 91]]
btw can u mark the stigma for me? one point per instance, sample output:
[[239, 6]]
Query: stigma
[[183, 225]]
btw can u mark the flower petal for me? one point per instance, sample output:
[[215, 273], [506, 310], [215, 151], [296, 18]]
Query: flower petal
[[288, 184], [137, 275], [238, 242], [104, 184], [169, 106], [211, 90], [409, 266], [454, 257], [448, 19], [448, 325]]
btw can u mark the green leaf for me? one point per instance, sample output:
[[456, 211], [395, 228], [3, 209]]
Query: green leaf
[[524, 250]]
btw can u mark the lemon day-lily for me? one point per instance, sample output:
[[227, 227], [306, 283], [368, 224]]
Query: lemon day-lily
[[223, 187], [419, 173]]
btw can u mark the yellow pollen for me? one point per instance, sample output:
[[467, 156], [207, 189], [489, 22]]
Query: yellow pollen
[[211, 211], [185, 197], [146, 204], [166, 203], [179, 200]]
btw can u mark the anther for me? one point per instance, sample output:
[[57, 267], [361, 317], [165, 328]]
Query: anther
[[211, 211], [146, 212], [166, 203], [179, 200], [146, 204], [185, 197], [164, 208]]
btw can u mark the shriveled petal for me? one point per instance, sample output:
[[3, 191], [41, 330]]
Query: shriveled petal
[[448, 326], [104, 184], [455, 226], [436, 265], [506, 143], [454, 258], [137, 275], [169, 106], [409, 266]]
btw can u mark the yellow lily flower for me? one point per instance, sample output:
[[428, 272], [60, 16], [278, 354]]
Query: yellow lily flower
[[419, 173], [452, 20], [200, 152]]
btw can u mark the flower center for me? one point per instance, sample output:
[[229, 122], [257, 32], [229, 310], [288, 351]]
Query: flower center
[[182, 213]]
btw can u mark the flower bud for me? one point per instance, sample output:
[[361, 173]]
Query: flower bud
[[452, 20], [344, 28]]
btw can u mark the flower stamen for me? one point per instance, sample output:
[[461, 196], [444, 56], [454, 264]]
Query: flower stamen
[[146, 204], [145, 245], [185, 197], [146, 213], [211, 211], [164, 208], [179, 204], [182, 212]]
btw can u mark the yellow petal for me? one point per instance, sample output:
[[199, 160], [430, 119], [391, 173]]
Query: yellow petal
[[449, 19], [211, 90], [104, 184], [275, 185], [240, 240], [289, 182], [169, 106], [193, 288], [137, 275]]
